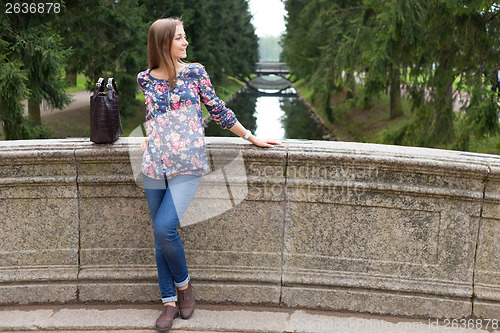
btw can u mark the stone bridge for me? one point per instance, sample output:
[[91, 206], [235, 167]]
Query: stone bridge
[[272, 79], [332, 225], [276, 68]]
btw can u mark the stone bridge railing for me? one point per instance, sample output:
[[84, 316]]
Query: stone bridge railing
[[332, 225]]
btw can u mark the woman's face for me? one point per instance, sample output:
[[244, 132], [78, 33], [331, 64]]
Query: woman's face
[[179, 44]]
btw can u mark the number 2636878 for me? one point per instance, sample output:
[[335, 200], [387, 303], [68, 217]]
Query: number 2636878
[[32, 8]]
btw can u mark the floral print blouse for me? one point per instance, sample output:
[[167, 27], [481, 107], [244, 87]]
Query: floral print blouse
[[174, 122]]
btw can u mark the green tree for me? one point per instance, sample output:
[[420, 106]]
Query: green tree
[[389, 43], [421, 45], [109, 40], [33, 57], [12, 91], [303, 38], [459, 41], [318, 43], [43, 58]]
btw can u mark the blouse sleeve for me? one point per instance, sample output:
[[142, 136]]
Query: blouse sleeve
[[141, 80], [222, 115]]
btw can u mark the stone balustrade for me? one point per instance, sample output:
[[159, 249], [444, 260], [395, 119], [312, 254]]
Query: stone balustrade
[[332, 225]]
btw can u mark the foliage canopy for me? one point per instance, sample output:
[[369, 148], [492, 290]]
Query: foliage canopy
[[413, 47]]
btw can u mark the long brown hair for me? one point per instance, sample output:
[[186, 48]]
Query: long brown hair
[[160, 36]]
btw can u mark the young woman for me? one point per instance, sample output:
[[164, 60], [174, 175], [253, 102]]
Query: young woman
[[174, 157]]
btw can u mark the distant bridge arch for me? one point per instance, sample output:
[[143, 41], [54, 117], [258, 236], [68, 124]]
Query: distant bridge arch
[[276, 68], [280, 86]]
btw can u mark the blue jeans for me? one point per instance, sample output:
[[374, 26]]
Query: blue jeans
[[167, 201]]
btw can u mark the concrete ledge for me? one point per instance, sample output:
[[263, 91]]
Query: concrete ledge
[[221, 319], [313, 224]]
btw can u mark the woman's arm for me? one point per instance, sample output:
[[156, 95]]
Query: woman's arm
[[240, 131], [222, 115]]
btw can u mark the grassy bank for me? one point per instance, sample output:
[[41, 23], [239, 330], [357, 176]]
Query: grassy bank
[[80, 84], [355, 124]]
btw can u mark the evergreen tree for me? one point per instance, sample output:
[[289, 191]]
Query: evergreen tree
[[428, 43], [109, 40], [390, 44], [43, 57], [459, 41], [33, 57], [318, 45], [12, 91]]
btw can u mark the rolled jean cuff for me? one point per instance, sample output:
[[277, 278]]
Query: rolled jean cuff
[[183, 283], [169, 299]]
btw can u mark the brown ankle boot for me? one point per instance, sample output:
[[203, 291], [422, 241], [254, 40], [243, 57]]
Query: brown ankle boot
[[164, 321], [185, 299]]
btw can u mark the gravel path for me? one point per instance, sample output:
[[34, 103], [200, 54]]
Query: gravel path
[[81, 99]]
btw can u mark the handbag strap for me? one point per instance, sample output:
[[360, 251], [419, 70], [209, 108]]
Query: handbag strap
[[99, 86], [111, 86]]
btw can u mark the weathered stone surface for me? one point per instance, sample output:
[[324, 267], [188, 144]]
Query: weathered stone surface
[[215, 318], [35, 293], [374, 301], [358, 227], [487, 310], [104, 320], [487, 275], [118, 291], [221, 292], [39, 225], [115, 231], [10, 320], [395, 222]]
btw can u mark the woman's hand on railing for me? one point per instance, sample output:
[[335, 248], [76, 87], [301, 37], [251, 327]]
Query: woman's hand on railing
[[267, 143]]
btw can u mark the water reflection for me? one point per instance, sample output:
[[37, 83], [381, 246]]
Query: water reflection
[[297, 122], [243, 105], [271, 117]]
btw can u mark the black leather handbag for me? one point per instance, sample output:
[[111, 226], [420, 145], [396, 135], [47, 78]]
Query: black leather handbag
[[105, 123]]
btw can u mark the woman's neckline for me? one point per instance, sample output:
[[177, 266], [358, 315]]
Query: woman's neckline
[[179, 73]]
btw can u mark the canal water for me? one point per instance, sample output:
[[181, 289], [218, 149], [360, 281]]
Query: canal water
[[271, 117]]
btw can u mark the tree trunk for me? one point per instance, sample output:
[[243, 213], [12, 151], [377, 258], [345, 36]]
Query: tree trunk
[[2, 123], [368, 102], [34, 112], [395, 94], [11, 130], [328, 109], [350, 85], [11, 126], [71, 78], [442, 130]]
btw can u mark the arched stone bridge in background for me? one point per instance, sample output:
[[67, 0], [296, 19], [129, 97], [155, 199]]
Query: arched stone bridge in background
[[309, 224], [278, 80], [276, 68]]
